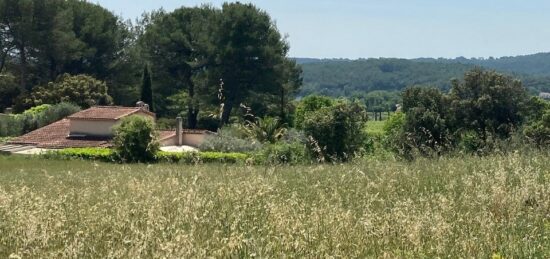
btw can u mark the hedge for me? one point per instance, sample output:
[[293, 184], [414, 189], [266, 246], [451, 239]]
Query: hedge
[[108, 155], [201, 157], [98, 154]]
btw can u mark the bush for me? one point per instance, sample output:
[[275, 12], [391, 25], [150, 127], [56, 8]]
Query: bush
[[201, 157], [55, 113], [310, 104], [283, 153], [538, 132], [36, 117], [109, 155], [97, 154], [230, 139], [265, 130], [471, 142], [37, 109], [136, 139], [338, 130]]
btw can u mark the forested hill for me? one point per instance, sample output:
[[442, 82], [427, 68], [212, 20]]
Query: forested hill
[[344, 77], [536, 64]]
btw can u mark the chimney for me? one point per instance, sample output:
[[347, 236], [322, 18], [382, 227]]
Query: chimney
[[179, 129]]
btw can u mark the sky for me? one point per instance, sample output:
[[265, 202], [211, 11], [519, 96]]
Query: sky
[[392, 28]]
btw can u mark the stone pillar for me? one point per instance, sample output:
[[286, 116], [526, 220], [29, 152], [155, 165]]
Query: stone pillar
[[179, 130]]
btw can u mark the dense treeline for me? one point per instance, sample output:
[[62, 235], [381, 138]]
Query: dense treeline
[[203, 62], [343, 77], [536, 64]]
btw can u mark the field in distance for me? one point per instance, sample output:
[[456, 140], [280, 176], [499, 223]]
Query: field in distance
[[449, 207]]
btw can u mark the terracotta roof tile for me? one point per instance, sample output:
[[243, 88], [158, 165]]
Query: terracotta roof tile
[[107, 113], [55, 135]]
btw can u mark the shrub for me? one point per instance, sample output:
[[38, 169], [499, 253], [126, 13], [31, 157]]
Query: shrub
[[310, 104], [135, 139], [98, 154], [538, 132], [471, 142], [201, 157], [230, 139], [37, 109], [338, 130], [36, 117], [55, 113], [265, 130], [283, 153]]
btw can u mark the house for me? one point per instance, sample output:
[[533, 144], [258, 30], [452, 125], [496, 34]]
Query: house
[[93, 127], [544, 95]]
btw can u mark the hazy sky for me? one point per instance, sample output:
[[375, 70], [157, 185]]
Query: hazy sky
[[393, 28]]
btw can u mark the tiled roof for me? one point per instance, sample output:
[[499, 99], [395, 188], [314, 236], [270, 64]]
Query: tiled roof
[[55, 136], [107, 113]]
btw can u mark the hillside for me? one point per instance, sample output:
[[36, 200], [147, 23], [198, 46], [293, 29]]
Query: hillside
[[344, 77]]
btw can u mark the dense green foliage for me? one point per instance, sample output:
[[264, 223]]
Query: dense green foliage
[[147, 87], [310, 103], [337, 130], [264, 130], [191, 49], [82, 90], [42, 39], [136, 140], [37, 117], [538, 127], [110, 155], [488, 102], [483, 109], [337, 77], [202, 157], [450, 207], [230, 139]]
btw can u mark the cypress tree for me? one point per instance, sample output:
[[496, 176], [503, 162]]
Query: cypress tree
[[147, 87]]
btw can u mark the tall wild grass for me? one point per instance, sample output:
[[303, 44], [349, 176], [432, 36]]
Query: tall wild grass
[[467, 207]]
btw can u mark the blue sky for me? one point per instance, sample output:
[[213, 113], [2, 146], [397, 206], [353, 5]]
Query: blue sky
[[393, 28]]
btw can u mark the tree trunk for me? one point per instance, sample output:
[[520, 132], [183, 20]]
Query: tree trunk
[[23, 68], [192, 117], [3, 61], [226, 113]]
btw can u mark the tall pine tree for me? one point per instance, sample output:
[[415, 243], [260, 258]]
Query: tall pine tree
[[147, 87]]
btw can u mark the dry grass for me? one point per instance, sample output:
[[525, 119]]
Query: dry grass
[[456, 207]]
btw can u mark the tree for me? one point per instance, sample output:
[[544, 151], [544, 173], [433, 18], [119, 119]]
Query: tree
[[42, 39], [147, 87], [136, 140], [179, 46], [9, 89], [250, 55], [537, 129], [488, 102], [310, 104], [82, 90], [426, 126], [338, 129]]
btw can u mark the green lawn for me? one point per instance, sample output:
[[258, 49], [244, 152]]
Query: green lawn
[[451, 207]]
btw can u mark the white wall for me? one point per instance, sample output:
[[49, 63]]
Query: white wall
[[189, 139]]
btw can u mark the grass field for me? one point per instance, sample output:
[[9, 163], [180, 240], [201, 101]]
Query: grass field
[[452, 207]]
